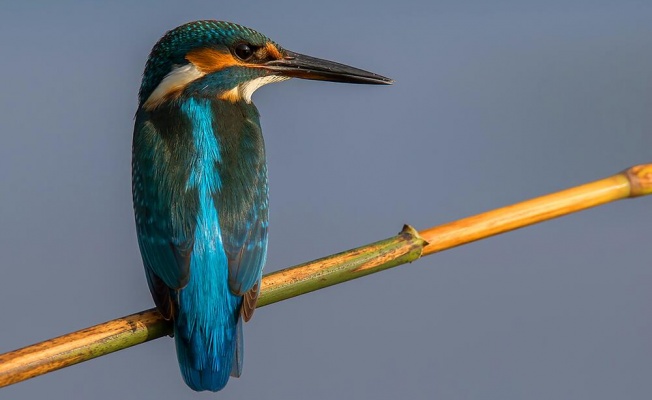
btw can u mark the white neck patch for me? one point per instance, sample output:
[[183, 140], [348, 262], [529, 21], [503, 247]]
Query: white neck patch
[[247, 89], [174, 81]]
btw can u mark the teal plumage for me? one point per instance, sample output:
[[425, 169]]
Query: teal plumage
[[219, 213], [199, 184]]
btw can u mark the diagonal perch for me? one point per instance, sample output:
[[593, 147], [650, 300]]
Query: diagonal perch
[[406, 247]]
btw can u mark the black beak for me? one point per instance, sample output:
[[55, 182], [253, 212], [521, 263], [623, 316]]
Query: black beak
[[297, 65]]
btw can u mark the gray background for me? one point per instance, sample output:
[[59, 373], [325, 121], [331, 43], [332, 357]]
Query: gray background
[[494, 103]]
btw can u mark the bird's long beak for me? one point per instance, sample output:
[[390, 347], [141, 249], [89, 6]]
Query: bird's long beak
[[297, 65]]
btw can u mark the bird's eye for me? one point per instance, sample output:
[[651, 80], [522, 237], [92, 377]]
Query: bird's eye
[[243, 51]]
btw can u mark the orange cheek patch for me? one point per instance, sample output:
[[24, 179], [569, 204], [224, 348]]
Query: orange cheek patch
[[273, 51], [211, 60]]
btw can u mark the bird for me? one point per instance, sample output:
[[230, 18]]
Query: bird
[[199, 183]]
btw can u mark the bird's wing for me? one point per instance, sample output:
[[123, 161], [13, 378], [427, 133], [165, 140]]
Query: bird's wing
[[247, 257], [165, 242], [246, 249], [246, 254], [244, 235]]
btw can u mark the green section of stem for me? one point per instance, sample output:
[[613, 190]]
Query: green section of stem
[[355, 263], [141, 327]]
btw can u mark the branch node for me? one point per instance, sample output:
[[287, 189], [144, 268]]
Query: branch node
[[640, 179], [408, 230]]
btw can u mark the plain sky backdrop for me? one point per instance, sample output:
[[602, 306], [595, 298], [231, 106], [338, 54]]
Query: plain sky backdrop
[[494, 102]]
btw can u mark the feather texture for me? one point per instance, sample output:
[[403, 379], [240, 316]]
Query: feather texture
[[200, 196]]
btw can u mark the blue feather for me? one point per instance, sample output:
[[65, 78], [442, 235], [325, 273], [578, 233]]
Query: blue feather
[[208, 313]]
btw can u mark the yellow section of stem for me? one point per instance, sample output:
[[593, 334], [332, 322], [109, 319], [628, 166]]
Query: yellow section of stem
[[406, 247]]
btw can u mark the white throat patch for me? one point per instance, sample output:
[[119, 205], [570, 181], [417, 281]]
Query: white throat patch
[[174, 81], [245, 90], [248, 88]]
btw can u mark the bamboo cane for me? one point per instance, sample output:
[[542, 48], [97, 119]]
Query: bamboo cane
[[406, 247]]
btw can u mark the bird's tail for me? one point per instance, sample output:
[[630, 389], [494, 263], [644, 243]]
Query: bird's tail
[[206, 364]]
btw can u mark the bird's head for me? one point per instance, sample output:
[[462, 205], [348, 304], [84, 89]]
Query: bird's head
[[229, 61]]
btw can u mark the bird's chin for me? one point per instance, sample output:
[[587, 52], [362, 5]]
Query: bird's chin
[[244, 91]]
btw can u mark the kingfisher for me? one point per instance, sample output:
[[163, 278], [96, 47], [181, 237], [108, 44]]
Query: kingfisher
[[199, 183]]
